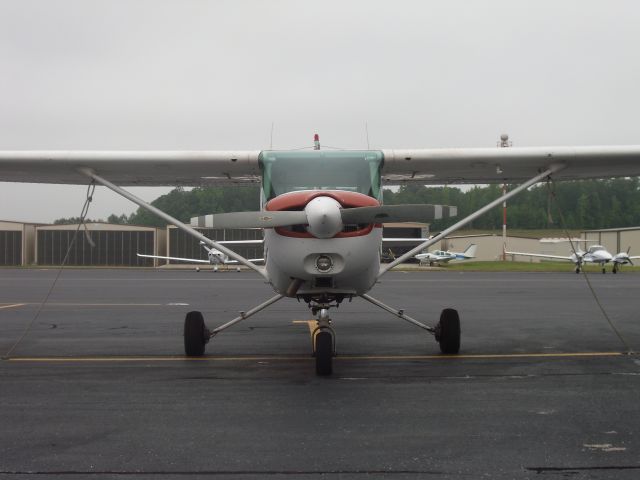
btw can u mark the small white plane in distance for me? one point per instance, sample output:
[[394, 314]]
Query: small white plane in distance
[[594, 254], [445, 256], [216, 257], [321, 211]]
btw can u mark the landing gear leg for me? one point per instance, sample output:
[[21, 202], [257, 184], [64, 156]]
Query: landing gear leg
[[604, 270], [447, 331], [196, 335], [324, 344], [615, 268]]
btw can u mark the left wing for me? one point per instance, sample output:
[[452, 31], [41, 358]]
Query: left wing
[[132, 168]]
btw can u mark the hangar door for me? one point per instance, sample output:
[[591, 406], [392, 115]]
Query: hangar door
[[112, 248], [10, 247]]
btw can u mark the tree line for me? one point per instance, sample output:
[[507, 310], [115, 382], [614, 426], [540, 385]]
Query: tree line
[[584, 204]]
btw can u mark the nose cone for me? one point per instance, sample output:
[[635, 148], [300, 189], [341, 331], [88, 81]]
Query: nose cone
[[323, 215]]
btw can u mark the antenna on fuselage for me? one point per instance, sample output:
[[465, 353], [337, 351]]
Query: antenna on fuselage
[[271, 144], [316, 141], [366, 130]]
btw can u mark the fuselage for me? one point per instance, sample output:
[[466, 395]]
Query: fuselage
[[324, 260]]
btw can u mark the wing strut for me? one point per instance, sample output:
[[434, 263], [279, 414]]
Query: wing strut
[[186, 228], [552, 169]]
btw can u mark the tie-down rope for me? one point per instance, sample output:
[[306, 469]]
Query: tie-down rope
[[552, 192], [85, 209]]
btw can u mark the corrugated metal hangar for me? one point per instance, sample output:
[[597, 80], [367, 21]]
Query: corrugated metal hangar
[[615, 240], [118, 245]]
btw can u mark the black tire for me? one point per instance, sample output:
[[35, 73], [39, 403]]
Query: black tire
[[194, 334], [324, 353], [448, 331], [577, 269], [604, 270]]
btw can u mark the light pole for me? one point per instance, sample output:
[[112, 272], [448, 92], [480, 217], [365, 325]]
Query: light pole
[[504, 143]]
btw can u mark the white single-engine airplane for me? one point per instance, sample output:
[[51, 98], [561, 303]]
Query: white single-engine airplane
[[216, 257], [321, 210], [445, 256]]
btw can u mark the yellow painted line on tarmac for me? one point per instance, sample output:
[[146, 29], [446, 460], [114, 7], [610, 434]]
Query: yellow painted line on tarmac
[[267, 358], [13, 305], [62, 304]]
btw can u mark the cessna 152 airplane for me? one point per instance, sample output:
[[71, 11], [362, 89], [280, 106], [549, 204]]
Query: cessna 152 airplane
[[594, 254], [321, 211], [445, 256]]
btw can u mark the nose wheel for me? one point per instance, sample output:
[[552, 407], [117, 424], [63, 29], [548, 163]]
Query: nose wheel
[[324, 347]]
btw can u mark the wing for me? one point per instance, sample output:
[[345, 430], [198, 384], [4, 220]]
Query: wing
[[129, 168], [538, 255], [177, 259], [252, 260], [426, 166], [504, 165]]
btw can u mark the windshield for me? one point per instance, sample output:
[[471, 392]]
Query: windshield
[[354, 171]]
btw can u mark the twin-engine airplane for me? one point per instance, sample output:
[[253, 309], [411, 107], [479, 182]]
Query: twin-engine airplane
[[321, 211], [445, 256], [594, 254]]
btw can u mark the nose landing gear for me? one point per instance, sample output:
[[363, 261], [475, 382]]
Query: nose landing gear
[[324, 348]]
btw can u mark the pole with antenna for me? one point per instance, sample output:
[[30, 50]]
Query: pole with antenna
[[504, 143]]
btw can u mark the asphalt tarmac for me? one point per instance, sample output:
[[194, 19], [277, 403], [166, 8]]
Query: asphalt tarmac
[[98, 388]]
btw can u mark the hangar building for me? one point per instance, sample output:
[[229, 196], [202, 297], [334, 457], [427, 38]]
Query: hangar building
[[615, 240]]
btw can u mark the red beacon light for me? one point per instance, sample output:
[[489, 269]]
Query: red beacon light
[[316, 141]]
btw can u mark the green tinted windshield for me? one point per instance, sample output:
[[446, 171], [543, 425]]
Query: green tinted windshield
[[355, 171]]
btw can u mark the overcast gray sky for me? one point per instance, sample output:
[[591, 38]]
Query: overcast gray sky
[[214, 75]]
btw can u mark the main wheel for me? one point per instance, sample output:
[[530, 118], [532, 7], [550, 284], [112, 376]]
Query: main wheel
[[448, 331], [324, 353], [194, 334], [615, 268], [604, 270], [577, 269]]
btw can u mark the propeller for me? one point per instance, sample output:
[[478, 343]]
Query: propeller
[[326, 216]]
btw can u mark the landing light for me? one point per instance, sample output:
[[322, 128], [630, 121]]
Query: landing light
[[324, 263]]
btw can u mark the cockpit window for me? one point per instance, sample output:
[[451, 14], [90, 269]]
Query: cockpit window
[[354, 171]]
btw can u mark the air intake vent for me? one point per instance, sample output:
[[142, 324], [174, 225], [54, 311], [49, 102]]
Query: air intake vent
[[324, 282]]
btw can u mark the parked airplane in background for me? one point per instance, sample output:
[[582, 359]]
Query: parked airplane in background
[[594, 254], [445, 256], [321, 211], [216, 257]]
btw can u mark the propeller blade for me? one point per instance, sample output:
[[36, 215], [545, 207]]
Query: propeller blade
[[250, 219], [397, 213]]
